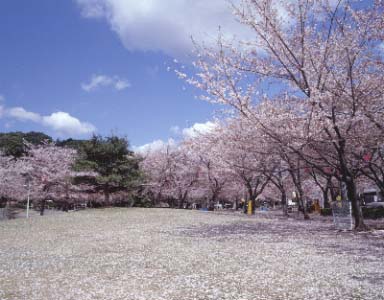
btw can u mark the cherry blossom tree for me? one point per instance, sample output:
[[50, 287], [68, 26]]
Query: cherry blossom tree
[[373, 166], [11, 182], [172, 173], [243, 151], [214, 175], [325, 56], [50, 170]]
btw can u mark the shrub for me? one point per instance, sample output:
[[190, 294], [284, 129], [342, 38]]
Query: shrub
[[326, 212], [373, 213], [142, 201]]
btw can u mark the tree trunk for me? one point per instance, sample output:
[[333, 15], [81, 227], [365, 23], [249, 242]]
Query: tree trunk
[[296, 178], [182, 198], [10, 212], [66, 201], [333, 194], [157, 199], [356, 209], [252, 197], [284, 203], [245, 206], [348, 179], [302, 203], [181, 203], [253, 201], [326, 198], [106, 195], [212, 200], [42, 206]]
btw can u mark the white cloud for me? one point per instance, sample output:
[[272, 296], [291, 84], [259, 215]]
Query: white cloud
[[98, 81], [64, 123], [194, 130], [199, 128], [190, 132], [154, 146], [21, 114], [164, 25], [61, 122]]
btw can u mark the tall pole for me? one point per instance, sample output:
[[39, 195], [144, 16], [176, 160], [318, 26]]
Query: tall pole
[[29, 185]]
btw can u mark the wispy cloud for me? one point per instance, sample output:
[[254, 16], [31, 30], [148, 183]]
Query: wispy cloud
[[98, 81], [121, 84]]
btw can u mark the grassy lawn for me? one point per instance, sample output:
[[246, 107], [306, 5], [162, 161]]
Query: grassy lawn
[[156, 254]]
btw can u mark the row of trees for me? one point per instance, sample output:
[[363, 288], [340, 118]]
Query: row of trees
[[231, 162], [307, 96], [99, 171]]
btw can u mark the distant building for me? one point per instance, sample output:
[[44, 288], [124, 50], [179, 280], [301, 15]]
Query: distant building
[[370, 195]]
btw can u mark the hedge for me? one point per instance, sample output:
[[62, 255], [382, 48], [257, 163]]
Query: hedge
[[373, 213]]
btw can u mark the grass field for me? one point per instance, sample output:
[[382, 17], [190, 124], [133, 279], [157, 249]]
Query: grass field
[[156, 254]]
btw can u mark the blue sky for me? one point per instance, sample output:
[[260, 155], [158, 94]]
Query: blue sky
[[71, 67]]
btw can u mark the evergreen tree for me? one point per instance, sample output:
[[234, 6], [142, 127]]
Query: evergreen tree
[[116, 166], [12, 143]]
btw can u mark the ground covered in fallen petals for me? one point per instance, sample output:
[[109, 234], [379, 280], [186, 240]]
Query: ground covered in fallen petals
[[155, 254]]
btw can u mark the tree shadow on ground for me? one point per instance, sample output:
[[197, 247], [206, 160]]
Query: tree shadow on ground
[[321, 236]]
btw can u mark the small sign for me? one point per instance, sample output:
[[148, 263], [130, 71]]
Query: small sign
[[342, 215]]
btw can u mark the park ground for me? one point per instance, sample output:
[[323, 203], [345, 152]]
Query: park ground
[[156, 254]]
